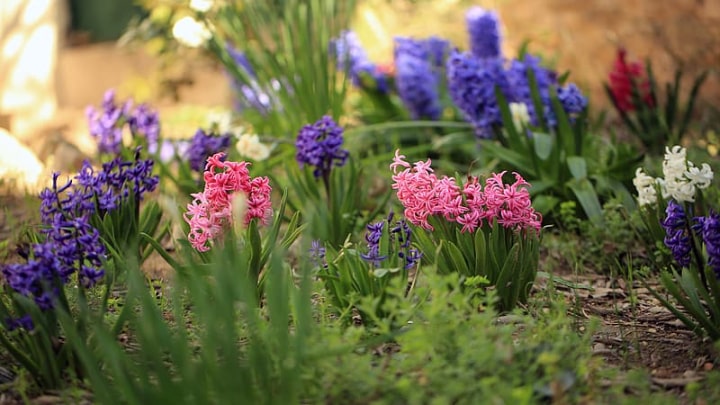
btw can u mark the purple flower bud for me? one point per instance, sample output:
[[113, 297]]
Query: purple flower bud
[[484, 31]]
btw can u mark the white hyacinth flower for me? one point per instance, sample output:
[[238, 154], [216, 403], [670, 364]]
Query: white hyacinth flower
[[191, 32], [700, 177], [520, 114], [675, 163], [249, 146], [645, 185], [201, 6]]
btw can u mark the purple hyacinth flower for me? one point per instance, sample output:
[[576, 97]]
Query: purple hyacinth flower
[[471, 84], [372, 237], [106, 124], [709, 229], [417, 86], [145, 122], [519, 83], [203, 145], [317, 253], [319, 145], [676, 234], [351, 57], [484, 30], [572, 99]]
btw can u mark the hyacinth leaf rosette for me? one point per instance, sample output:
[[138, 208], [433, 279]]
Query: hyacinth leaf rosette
[[374, 271], [489, 235]]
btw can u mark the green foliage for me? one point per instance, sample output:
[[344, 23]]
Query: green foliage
[[289, 46], [226, 347], [492, 256]]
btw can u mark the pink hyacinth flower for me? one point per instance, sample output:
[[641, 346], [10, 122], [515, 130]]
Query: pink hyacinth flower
[[211, 213]]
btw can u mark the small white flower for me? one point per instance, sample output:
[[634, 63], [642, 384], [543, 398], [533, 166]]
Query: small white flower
[[520, 114], [201, 6], [700, 177], [191, 32], [250, 146], [220, 120]]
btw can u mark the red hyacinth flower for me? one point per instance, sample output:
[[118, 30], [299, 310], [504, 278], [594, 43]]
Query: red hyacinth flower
[[623, 77]]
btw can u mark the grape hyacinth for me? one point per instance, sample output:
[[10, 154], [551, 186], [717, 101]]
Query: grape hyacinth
[[146, 122], [484, 30], [211, 211], [676, 233], [471, 84], [203, 145], [317, 254], [319, 145]]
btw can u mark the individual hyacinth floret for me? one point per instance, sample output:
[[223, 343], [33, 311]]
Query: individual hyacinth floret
[[423, 195], [210, 214], [484, 31], [320, 145], [204, 144]]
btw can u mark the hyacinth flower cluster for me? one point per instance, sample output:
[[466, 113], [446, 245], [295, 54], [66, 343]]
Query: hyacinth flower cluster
[[473, 77], [469, 220], [108, 123], [681, 181], [424, 195], [625, 78], [227, 186], [72, 244], [352, 58], [417, 75], [320, 145]]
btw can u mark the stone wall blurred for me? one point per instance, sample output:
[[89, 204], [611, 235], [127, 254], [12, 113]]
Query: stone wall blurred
[[30, 35]]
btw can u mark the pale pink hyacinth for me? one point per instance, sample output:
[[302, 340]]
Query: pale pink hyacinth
[[211, 212], [423, 194]]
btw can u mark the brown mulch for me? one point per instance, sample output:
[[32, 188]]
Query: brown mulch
[[637, 331]]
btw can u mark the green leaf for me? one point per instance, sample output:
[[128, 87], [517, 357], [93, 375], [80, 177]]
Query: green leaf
[[586, 195], [577, 166], [544, 145]]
